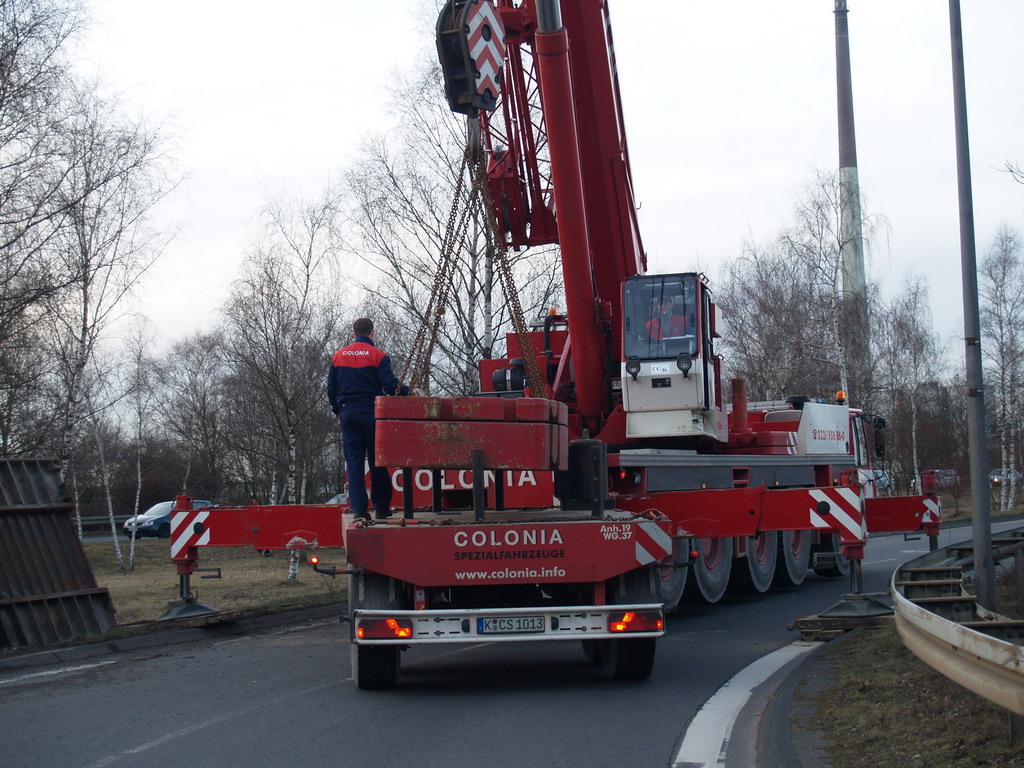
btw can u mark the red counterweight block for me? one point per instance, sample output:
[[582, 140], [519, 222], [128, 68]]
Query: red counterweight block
[[442, 433]]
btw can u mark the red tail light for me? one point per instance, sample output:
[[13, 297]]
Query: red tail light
[[383, 629], [636, 621]]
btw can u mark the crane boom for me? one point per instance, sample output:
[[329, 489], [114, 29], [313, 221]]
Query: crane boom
[[556, 143]]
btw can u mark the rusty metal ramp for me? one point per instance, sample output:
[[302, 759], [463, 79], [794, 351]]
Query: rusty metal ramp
[[47, 590]]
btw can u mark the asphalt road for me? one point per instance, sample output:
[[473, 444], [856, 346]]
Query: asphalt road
[[285, 698]]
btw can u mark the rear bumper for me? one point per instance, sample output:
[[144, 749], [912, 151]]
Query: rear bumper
[[577, 622]]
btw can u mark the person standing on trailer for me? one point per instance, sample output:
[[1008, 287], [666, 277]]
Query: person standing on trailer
[[360, 373]]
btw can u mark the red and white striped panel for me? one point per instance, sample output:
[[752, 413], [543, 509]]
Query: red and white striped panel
[[932, 511], [486, 48], [183, 530], [845, 513], [652, 543]]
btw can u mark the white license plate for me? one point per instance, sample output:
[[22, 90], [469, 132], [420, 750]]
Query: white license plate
[[509, 624]]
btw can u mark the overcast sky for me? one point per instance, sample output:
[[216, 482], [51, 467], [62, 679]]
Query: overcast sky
[[730, 106]]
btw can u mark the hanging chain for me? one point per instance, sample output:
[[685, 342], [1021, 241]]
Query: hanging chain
[[418, 370], [497, 245], [479, 198]]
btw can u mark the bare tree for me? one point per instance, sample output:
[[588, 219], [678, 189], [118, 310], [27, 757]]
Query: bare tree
[[27, 417], [281, 318], [767, 298], [815, 240], [34, 79], [790, 321], [908, 363], [193, 411], [1001, 289], [103, 384], [141, 391], [116, 177], [34, 190]]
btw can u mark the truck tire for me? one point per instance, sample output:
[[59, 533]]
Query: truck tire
[[630, 658], [753, 574], [794, 558], [838, 566], [592, 650], [374, 666], [709, 573], [673, 570]]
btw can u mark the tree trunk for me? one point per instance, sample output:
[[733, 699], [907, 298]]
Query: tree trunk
[[916, 484], [101, 458], [76, 495], [290, 481], [135, 507]]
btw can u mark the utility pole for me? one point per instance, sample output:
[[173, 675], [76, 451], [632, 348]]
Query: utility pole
[[984, 571], [851, 233]]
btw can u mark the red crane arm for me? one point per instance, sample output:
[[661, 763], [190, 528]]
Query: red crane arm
[[583, 132], [558, 169]]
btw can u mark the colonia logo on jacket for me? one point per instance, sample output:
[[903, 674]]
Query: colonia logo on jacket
[[363, 352]]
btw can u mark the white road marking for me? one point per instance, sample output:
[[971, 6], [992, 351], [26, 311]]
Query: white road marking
[[707, 737], [54, 672], [206, 723], [128, 753]]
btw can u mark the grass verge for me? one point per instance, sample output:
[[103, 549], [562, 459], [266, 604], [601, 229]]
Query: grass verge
[[249, 582], [888, 708]]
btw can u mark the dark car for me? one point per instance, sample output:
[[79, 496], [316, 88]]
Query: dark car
[[156, 521]]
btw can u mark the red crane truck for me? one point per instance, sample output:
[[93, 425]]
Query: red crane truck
[[665, 491]]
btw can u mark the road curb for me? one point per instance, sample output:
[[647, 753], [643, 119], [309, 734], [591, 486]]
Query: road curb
[[773, 729]]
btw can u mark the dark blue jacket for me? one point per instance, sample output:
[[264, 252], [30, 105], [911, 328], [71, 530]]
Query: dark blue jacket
[[359, 373]]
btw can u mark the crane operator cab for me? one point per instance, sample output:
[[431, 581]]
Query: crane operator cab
[[671, 384]]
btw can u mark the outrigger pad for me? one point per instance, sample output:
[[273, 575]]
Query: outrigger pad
[[857, 606], [186, 609]]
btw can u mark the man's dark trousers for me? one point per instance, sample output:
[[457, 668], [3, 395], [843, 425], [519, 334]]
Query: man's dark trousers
[[357, 434]]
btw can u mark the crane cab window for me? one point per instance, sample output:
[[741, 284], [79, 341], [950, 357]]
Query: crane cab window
[[660, 316]]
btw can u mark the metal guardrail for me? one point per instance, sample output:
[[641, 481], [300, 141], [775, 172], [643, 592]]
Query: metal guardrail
[[940, 622]]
